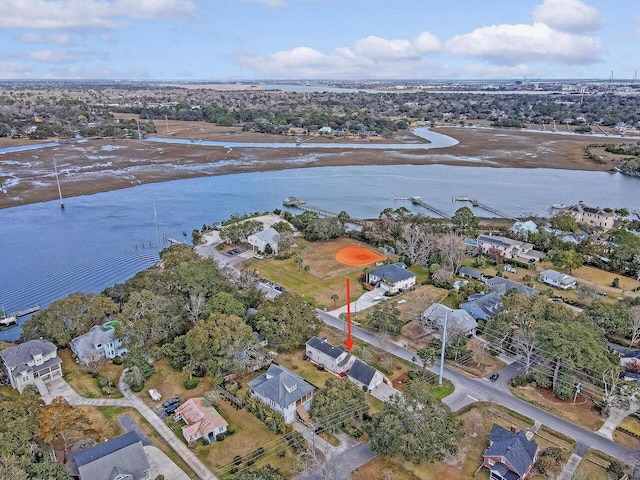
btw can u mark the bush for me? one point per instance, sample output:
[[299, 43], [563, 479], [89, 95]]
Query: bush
[[191, 383], [233, 470], [616, 470], [237, 460], [257, 452], [118, 361], [220, 437], [541, 379], [250, 462], [520, 380]]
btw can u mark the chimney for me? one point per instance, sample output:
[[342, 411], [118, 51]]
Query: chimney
[[513, 429]]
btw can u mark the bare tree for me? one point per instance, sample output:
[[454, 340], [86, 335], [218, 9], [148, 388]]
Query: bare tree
[[195, 307], [525, 343], [417, 244], [634, 324], [453, 252]]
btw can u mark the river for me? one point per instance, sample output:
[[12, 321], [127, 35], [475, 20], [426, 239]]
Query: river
[[102, 239]]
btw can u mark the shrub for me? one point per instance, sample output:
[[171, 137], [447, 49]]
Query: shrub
[[118, 361], [520, 380], [220, 437], [541, 379], [233, 470], [257, 452], [616, 470], [250, 462], [237, 460], [190, 383]]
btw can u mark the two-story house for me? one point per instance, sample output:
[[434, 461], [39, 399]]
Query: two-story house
[[393, 278], [97, 344], [508, 248], [31, 362], [260, 240], [334, 359], [595, 216], [510, 455], [284, 391]]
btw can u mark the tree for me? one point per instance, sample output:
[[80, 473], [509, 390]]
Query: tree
[[464, 221], [337, 404], [226, 304], [266, 472], [385, 317], [59, 420], [565, 222], [288, 321], [633, 325], [134, 378], [415, 425], [428, 357], [335, 298], [568, 259], [195, 307], [452, 251]]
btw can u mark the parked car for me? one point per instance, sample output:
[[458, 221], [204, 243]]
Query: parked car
[[601, 293], [170, 401], [403, 301], [169, 410], [493, 377]]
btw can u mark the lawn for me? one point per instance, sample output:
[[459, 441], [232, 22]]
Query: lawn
[[83, 382], [169, 383], [593, 466], [581, 413], [622, 435]]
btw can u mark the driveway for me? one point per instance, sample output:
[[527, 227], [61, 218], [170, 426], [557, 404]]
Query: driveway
[[366, 300], [384, 392]]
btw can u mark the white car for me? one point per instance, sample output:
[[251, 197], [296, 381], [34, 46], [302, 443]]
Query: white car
[[378, 298], [403, 301]]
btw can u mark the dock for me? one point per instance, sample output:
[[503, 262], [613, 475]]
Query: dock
[[12, 318], [302, 205], [484, 206], [419, 201]]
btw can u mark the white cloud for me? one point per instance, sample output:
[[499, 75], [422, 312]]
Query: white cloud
[[60, 39], [637, 21], [15, 70], [567, 15], [87, 14], [517, 44], [31, 37], [56, 57], [380, 48], [287, 3]]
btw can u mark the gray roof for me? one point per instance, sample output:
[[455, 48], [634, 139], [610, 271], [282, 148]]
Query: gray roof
[[502, 241], [280, 385], [459, 318], [121, 455], [514, 447], [24, 353], [98, 335], [325, 347], [502, 285], [269, 235], [470, 272], [361, 372], [482, 305], [632, 354], [394, 273], [557, 277]]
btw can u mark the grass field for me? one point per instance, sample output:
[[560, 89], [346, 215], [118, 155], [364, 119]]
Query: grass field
[[631, 424], [593, 466], [83, 382]]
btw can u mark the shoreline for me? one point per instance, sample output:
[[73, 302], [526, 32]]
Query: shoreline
[[103, 165]]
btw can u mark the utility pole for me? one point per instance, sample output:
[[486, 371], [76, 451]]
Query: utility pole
[[444, 341], [575, 396]]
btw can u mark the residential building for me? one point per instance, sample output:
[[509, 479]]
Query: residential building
[[508, 248], [325, 131], [201, 420], [557, 279], [471, 273], [595, 216], [121, 458], [334, 359], [459, 320], [393, 278], [364, 375], [31, 363], [510, 455], [501, 285], [260, 240], [524, 228], [284, 391], [99, 343], [482, 305]]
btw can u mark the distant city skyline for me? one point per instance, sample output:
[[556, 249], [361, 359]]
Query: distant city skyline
[[231, 40]]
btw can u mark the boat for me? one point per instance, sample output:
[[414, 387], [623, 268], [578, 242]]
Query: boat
[[7, 321]]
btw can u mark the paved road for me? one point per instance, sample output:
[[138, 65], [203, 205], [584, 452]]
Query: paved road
[[340, 466], [498, 392]]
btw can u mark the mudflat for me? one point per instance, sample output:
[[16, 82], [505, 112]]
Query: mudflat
[[108, 164]]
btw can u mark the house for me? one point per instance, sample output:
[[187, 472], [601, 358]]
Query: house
[[471, 273], [524, 228], [595, 216], [457, 320], [260, 240], [508, 248], [334, 359], [201, 420], [557, 279], [364, 375], [121, 458], [510, 455], [393, 278], [284, 391], [31, 362], [97, 344], [482, 305], [501, 285]]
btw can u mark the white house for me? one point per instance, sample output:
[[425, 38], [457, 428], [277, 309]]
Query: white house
[[97, 344], [260, 240], [364, 375], [334, 359], [458, 320], [30, 362], [201, 420], [284, 391], [558, 279], [393, 278], [584, 214]]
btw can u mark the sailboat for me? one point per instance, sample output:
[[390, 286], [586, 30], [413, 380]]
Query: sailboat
[[58, 181]]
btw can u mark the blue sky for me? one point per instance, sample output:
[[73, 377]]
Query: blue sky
[[318, 39]]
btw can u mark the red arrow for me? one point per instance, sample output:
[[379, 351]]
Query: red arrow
[[349, 341]]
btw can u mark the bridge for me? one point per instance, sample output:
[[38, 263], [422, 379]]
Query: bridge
[[484, 206]]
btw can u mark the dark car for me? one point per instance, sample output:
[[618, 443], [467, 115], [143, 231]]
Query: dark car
[[170, 401], [493, 377], [169, 410]]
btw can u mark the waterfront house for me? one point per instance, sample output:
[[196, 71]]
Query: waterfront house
[[334, 359], [31, 363], [595, 216], [364, 375], [458, 320], [284, 391], [201, 420], [508, 248], [393, 278], [510, 455], [121, 458], [260, 240], [99, 343], [524, 228], [557, 279]]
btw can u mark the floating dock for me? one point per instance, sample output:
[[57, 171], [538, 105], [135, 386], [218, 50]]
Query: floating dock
[[484, 206]]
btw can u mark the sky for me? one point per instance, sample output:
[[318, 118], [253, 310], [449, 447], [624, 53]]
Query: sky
[[232, 40]]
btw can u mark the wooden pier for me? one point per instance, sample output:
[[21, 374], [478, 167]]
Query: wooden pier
[[419, 201], [302, 205], [484, 206], [12, 318]]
